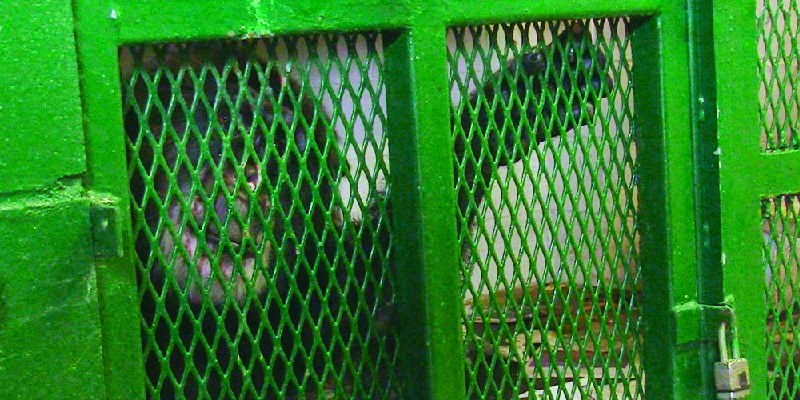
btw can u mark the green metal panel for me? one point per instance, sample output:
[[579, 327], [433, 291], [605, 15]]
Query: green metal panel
[[778, 56], [300, 317], [49, 328], [40, 120], [536, 318], [50, 335], [706, 171]]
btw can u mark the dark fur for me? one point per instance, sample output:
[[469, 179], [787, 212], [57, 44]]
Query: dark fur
[[291, 263], [290, 267]]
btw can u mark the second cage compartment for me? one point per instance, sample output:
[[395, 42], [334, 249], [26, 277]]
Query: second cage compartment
[[550, 275]]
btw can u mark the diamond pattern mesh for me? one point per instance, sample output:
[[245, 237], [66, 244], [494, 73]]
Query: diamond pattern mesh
[[548, 226], [777, 69], [780, 216], [262, 234]]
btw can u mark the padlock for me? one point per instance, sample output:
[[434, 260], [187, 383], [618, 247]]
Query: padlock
[[731, 375]]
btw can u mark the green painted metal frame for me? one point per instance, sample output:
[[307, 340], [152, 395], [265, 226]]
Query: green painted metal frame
[[420, 142], [746, 176], [421, 168]]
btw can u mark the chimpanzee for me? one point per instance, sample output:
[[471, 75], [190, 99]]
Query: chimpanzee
[[233, 175]]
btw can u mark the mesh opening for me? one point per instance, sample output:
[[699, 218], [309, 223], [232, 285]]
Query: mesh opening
[[548, 226], [781, 255], [258, 173], [778, 73]]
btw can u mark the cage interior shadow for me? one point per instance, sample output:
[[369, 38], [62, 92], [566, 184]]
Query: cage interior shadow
[[250, 285]]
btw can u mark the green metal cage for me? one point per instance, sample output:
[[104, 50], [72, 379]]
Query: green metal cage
[[386, 199]]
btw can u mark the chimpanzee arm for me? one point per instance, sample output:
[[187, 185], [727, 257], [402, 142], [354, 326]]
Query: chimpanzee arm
[[496, 115], [523, 104]]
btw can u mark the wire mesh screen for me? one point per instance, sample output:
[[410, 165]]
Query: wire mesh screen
[[781, 252], [547, 207], [777, 69], [258, 176]]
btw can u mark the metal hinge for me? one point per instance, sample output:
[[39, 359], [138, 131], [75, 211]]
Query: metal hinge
[[106, 231]]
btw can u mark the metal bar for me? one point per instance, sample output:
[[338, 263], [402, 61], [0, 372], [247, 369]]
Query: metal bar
[[679, 152], [426, 251], [108, 177], [780, 171], [681, 204], [735, 33], [706, 165], [154, 21], [706, 171], [652, 220], [666, 219], [474, 12]]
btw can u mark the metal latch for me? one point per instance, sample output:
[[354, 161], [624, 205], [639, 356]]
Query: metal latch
[[731, 375]]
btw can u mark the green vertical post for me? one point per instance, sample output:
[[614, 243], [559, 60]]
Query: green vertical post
[[426, 251], [741, 171], [706, 165], [653, 224], [706, 171], [107, 177], [669, 251]]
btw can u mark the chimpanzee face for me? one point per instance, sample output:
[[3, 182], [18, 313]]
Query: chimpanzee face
[[224, 167]]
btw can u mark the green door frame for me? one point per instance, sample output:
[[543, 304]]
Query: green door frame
[[674, 120]]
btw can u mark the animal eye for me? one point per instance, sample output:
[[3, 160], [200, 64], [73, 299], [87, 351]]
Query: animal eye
[[223, 119]]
